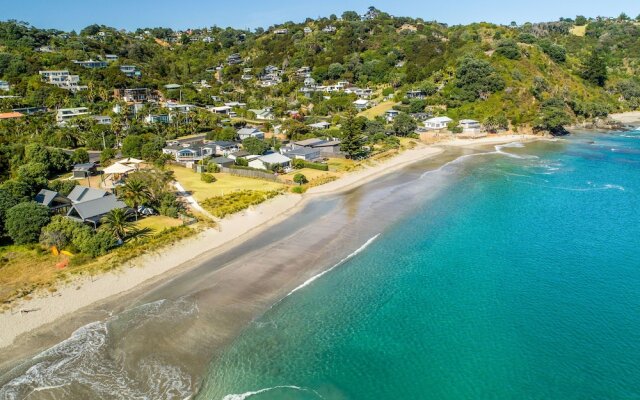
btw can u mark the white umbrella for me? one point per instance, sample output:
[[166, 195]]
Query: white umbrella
[[130, 160], [118, 168]]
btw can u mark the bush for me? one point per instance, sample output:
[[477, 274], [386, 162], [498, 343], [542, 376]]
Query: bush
[[212, 168], [221, 206], [208, 178], [509, 49], [62, 231], [318, 166], [242, 162], [297, 163], [298, 189], [300, 179], [25, 221], [97, 244]]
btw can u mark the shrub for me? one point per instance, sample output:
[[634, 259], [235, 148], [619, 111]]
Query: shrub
[[212, 168], [221, 206], [509, 49], [208, 178], [318, 166], [97, 244], [300, 179], [62, 231], [298, 189], [24, 222]]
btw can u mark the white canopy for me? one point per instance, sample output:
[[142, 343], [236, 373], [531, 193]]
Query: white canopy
[[118, 168], [130, 160]]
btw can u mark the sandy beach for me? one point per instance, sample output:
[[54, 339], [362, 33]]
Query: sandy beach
[[630, 117], [46, 308]]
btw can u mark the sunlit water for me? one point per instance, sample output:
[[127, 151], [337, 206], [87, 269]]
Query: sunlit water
[[520, 281]]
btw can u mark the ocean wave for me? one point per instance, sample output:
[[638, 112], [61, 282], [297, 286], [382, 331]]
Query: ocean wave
[[86, 359], [313, 278], [243, 396], [592, 187]]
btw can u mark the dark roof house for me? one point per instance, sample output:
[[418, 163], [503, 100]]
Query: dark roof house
[[93, 210], [80, 194], [53, 200]]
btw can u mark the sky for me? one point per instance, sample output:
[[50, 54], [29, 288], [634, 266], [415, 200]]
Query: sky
[[132, 14]]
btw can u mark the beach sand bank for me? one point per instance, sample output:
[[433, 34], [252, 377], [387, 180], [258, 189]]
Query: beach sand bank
[[150, 269], [630, 117]]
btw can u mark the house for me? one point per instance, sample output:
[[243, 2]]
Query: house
[[63, 80], [4, 85], [421, 116], [239, 154], [307, 30], [270, 160], [54, 201], [306, 143], [135, 95], [320, 125], [361, 104], [235, 104], [470, 126], [189, 152], [129, 108], [102, 119], [176, 107], [91, 63], [304, 153], [157, 118], [85, 170], [172, 86], [226, 110], [111, 57], [246, 133], [281, 31], [390, 115], [437, 123], [329, 29], [416, 94], [130, 71], [92, 211], [30, 110], [329, 148], [224, 148], [264, 114], [222, 162], [65, 114], [234, 59], [309, 82], [81, 194]]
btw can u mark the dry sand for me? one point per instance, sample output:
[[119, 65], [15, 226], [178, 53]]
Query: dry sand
[[630, 117], [46, 307]]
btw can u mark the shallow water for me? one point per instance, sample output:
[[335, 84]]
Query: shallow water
[[519, 281]]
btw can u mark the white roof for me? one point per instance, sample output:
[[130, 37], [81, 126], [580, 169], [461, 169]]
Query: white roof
[[361, 101], [274, 158], [118, 168], [130, 160], [439, 120], [468, 121]]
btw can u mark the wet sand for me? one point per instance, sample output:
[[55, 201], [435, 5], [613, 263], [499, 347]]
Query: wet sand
[[231, 284]]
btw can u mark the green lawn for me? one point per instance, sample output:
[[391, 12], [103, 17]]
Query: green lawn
[[158, 223], [225, 184]]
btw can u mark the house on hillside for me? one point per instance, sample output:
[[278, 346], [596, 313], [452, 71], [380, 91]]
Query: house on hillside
[[157, 119], [103, 119], [135, 95], [264, 114], [4, 86], [320, 125], [111, 57], [416, 94], [81, 194], [361, 104], [246, 133], [390, 115], [304, 153], [91, 63], [268, 161], [470, 126], [437, 123], [65, 114], [130, 71], [92, 211]]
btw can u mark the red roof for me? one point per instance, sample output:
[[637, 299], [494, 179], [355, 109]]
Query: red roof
[[11, 115]]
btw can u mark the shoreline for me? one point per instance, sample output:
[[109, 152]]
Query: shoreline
[[180, 256], [629, 117]]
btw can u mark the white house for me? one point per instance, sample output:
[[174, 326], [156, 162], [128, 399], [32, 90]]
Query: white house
[[361, 104], [246, 133], [65, 114], [390, 115], [4, 85], [269, 160], [264, 114], [320, 125], [437, 123], [219, 110], [304, 153], [470, 126], [102, 119]]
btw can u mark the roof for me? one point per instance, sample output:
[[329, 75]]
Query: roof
[[320, 125], [45, 197], [81, 194], [223, 143], [118, 168], [8, 115], [84, 167], [329, 143], [274, 158], [439, 119], [221, 160], [93, 209], [172, 86], [469, 121], [248, 131], [303, 151], [309, 142], [241, 153], [361, 101]]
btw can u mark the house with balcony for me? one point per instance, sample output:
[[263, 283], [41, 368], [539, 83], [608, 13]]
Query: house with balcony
[[246, 133], [437, 123], [91, 63], [63, 115], [131, 71], [157, 119]]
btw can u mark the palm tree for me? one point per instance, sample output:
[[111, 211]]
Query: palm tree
[[117, 223], [135, 192]]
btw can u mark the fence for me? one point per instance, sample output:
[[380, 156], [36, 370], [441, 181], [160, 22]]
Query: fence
[[249, 173]]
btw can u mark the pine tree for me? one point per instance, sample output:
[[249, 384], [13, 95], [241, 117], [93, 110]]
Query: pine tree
[[350, 136], [595, 69]]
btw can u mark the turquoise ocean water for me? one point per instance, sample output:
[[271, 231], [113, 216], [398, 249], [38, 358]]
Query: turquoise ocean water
[[519, 281]]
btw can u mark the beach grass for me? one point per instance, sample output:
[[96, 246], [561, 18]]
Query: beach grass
[[578, 30], [375, 111], [157, 223], [231, 203], [224, 184]]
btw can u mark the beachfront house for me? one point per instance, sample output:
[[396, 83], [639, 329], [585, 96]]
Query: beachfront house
[[92, 211], [470, 126], [54, 201], [246, 133], [268, 161], [304, 153], [437, 123], [81, 194], [85, 170]]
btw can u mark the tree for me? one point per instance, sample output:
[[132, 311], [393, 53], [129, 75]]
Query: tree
[[509, 49], [494, 123], [404, 125], [335, 71], [350, 16], [254, 146], [134, 193], [7, 200], [300, 179], [476, 79], [107, 155], [581, 20], [25, 220], [33, 173], [80, 156], [595, 69], [132, 146], [552, 117], [117, 223], [555, 51], [62, 231], [351, 136]]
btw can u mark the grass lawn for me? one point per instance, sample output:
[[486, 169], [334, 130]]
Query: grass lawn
[[225, 183], [158, 223], [310, 174], [578, 30], [380, 109], [342, 165]]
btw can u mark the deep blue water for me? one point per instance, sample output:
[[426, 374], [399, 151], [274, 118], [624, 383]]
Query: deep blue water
[[521, 280]]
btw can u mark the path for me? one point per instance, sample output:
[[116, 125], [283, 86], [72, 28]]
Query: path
[[191, 200]]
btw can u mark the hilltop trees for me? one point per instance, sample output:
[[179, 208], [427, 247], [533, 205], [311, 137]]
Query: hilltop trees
[[404, 125], [595, 69], [476, 78], [553, 117], [509, 49]]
